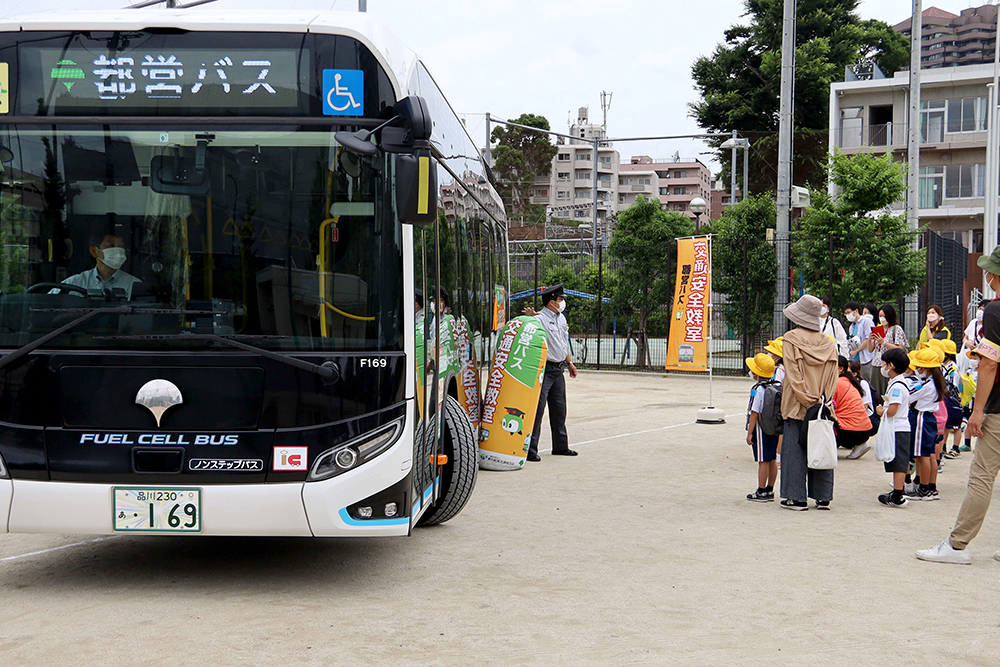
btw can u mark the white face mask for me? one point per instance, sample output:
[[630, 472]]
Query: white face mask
[[974, 364], [562, 305], [852, 317], [114, 258], [884, 371], [824, 311], [979, 315], [884, 322]]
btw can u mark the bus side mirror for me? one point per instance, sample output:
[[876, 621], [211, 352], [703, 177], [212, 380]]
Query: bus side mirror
[[416, 188]]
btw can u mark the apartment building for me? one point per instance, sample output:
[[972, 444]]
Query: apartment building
[[673, 181], [950, 40], [872, 116], [568, 190]]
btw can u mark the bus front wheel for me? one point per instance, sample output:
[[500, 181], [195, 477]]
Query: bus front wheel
[[458, 475]]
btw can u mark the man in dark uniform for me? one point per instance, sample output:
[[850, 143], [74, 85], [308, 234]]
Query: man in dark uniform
[[554, 382]]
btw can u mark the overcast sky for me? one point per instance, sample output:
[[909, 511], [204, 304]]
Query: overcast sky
[[551, 57]]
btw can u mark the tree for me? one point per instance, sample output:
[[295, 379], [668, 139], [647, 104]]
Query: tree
[[645, 247], [519, 157], [740, 82], [850, 245], [746, 267]]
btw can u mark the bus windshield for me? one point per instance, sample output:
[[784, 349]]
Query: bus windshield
[[274, 234]]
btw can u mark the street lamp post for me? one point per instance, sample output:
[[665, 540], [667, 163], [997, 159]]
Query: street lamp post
[[734, 143], [698, 206]]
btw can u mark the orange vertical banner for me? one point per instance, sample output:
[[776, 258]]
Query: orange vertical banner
[[687, 347]]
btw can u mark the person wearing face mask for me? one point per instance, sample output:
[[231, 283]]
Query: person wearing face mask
[[893, 338], [983, 424], [553, 391], [109, 252], [935, 326], [832, 327], [861, 330], [971, 336]]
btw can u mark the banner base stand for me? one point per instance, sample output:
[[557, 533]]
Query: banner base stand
[[711, 415]]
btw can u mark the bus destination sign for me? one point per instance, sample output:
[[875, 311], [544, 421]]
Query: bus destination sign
[[79, 80]]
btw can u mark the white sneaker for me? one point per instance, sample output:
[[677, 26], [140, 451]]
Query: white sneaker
[[943, 553], [859, 450]]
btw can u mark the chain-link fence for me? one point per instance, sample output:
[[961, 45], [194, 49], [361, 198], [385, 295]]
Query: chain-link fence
[[611, 329]]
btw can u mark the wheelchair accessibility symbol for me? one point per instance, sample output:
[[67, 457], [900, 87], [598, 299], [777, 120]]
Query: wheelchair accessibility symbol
[[343, 92]]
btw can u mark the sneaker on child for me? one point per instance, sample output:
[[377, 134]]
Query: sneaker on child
[[887, 500]]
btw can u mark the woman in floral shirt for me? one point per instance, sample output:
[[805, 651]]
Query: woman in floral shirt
[[894, 337]]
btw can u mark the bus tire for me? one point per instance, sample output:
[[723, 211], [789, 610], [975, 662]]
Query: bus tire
[[459, 474]]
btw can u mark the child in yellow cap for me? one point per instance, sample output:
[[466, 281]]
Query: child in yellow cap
[[953, 400], [773, 348], [927, 389], [764, 425]]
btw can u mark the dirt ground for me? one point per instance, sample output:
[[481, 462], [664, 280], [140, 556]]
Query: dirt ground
[[642, 550]]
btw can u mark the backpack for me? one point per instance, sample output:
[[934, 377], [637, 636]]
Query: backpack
[[771, 422]]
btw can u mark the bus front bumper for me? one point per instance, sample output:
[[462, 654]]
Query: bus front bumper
[[290, 509]]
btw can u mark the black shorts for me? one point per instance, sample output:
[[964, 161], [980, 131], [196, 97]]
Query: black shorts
[[901, 463], [765, 447]]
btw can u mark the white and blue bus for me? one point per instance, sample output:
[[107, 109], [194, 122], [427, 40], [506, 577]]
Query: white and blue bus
[[251, 271]]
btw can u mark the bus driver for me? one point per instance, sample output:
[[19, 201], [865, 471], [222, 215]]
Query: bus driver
[[109, 251]]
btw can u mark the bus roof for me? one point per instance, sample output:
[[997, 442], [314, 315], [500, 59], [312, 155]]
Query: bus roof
[[397, 59]]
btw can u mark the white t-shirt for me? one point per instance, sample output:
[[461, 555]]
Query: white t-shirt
[[757, 399], [924, 394], [866, 397], [898, 394]]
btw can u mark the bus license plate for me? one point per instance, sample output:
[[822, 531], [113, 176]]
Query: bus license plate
[[161, 510]]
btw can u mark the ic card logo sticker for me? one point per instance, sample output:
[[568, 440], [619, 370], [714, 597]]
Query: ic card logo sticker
[[4, 88], [291, 458], [343, 92]]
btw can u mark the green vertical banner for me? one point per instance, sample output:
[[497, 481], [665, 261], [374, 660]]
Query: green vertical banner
[[511, 398]]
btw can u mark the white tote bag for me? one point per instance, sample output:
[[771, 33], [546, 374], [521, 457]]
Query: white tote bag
[[885, 440], [821, 443]]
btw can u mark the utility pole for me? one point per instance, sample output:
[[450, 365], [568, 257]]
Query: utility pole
[[732, 175], [990, 210], [911, 318], [596, 145], [785, 138]]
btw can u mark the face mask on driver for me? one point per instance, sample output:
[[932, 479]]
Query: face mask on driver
[[114, 257], [562, 305]]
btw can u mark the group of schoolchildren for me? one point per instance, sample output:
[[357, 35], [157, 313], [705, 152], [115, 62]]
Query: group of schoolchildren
[[927, 401]]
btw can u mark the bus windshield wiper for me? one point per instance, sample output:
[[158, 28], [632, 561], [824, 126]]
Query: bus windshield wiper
[[88, 313], [327, 370]]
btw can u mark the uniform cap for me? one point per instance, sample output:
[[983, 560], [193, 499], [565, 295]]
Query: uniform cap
[[553, 292], [929, 357]]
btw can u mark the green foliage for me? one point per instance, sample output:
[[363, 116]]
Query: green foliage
[[850, 246], [645, 246], [745, 265], [740, 82], [521, 156], [867, 182]]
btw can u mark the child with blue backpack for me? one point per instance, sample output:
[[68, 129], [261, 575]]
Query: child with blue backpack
[[764, 425]]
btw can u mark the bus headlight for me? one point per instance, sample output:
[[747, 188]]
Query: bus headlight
[[353, 453]]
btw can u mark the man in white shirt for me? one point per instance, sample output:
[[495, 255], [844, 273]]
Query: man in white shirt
[[554, 382], [861, 329], [109, 251]]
